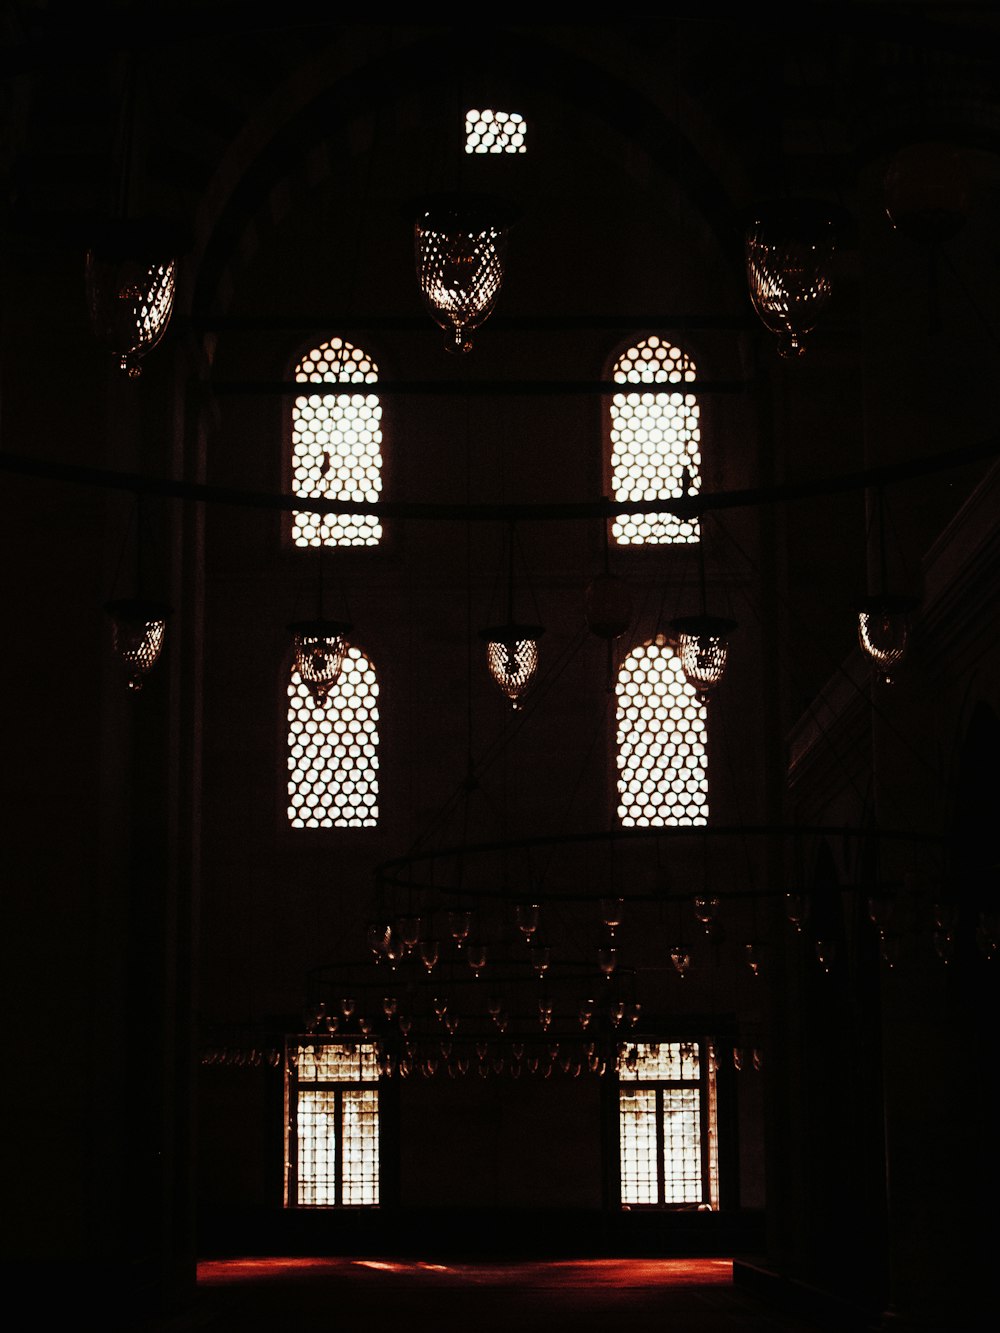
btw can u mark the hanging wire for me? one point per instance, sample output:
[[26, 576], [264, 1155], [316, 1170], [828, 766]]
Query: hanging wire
[[837, 668], [131, 525]]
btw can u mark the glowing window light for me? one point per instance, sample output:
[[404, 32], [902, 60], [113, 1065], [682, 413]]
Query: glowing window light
[[494, 132], [655, 442], [333, 1159], [663, 1090], [333, 749], [337, 447], [661, 751]]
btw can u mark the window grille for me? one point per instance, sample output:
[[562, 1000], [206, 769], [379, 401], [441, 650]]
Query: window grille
[[494, 132], [333, 749], [661, 751], [655, 442], [332, 1124], [337, 447], [668, 1139]]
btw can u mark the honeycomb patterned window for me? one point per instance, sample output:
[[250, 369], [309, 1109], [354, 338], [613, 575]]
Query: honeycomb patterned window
[[655, 442], [668, 1140], [333, 749], [337, 447], [662, 759], [332, 1135], [494, 132]]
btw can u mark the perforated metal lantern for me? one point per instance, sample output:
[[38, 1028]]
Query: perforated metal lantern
[[789, 252], [130, 275], [460, 244], [319, 647], [884, 630], [138, 631], [703, 647], [512, 658]]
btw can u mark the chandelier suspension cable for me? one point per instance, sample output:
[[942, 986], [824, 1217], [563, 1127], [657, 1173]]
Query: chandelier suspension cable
[[837, 668], [980, 314], [126, 136], [785, 493], [132, 523], [399, 872]]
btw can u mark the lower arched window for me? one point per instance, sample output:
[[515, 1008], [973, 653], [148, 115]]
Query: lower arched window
[[661, 750], [333, 749]]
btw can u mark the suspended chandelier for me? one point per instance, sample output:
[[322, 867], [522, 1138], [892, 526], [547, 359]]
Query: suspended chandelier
[[130, 276], [790, 246], [138, 631], [460, 243], [703, 646], [319, 647]]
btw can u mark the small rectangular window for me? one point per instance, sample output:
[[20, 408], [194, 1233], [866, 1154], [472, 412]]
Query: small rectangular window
[[668, 1140], [494, 132], [331, 1124]]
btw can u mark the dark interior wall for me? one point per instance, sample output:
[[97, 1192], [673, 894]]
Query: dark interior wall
[[279, 902], [158, 903]]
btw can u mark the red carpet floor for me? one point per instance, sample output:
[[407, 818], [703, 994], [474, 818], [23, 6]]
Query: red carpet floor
[[305, 1295]]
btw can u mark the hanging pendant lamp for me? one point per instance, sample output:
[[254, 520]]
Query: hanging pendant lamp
[[790, 245], [138, 630], [512, 648], [703, 646], [319, 646], [884, 630], [130, 277], [702, 641], [512, 658], [884, 616], [460, 243], [139, 622]]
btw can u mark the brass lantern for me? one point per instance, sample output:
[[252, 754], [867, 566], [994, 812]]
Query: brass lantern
[[319, 647], [789, 252], [460, 243], [703, 646], [138, 630], [512, 658], [884, 630], [130, 275]]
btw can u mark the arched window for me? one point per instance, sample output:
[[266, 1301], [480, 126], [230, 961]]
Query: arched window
[[333, 749], [662, 759], [655, 441], [337, 447]]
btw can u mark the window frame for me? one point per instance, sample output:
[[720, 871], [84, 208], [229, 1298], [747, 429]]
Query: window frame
[[376, 355], [694, 355], [304, 832], [706, 1085], [665, 643], [293, 1087]]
